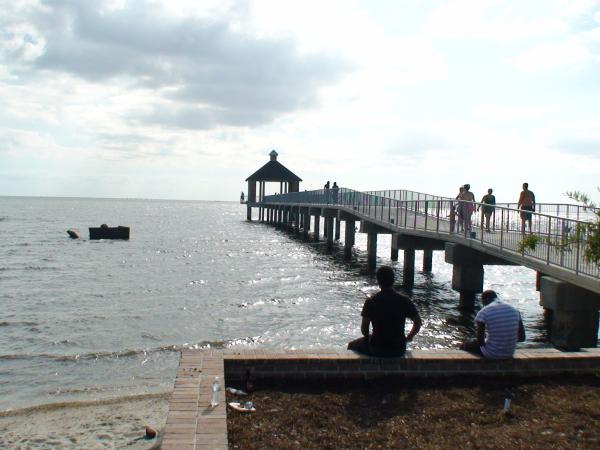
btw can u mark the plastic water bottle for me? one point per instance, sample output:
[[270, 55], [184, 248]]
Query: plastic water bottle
[[216, 387], [507, 400]]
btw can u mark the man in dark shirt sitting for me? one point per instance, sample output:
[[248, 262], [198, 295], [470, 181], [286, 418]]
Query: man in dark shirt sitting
[[387, 312]]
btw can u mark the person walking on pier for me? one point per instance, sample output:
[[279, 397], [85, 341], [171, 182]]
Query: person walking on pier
[[488, 199], [334, 192], [452, 217], [386, 311], [459, 224], [526, 205], [326, 191], [499, 328], [466, 205]]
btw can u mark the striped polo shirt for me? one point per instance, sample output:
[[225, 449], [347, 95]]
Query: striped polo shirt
[[501, 328]]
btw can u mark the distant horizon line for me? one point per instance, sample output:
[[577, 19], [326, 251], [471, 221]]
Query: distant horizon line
[[117, 198]]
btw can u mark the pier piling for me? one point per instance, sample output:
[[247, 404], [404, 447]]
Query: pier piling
[[574, 318], [317, 226], [427, 260], [394, 246], [408, 269], [349, 233], [372, 250]]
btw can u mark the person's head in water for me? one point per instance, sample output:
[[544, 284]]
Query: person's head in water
[[385, 277], [488, 297]]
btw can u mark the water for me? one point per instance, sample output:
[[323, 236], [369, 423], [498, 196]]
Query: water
[[87, 319]]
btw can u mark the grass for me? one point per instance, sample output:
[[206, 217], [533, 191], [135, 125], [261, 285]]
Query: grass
[[551, 412]]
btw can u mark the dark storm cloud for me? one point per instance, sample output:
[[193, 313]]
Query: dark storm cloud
[[210, 74]]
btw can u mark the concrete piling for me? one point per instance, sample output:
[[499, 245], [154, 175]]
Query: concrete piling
[[372, 250], [408, 269], [427, 260], [574, 318]]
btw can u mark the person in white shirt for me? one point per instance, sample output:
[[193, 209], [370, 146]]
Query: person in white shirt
[[499, 328]]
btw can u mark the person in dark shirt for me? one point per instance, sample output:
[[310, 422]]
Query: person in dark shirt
[[489, 201], [386, 312]]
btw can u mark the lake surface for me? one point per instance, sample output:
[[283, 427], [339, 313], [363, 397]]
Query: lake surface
[[87, 319]]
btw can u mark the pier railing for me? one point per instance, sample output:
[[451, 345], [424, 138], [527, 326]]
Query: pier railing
[[560, 240], [566, 210]]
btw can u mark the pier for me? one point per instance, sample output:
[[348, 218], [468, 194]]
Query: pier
[[569, 285]]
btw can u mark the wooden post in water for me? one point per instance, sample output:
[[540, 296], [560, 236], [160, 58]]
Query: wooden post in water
[[337, 228], [317, 226]]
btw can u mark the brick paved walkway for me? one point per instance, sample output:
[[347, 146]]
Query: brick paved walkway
[[193, 425]]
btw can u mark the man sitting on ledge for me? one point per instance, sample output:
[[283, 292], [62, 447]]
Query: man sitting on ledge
[[499, 327], [387, 311]]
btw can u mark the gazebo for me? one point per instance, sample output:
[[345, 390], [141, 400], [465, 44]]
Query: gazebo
[[272, 172]]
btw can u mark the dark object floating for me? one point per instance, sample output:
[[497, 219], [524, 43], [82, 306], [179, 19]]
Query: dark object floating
[[106, 232], [73, 234]]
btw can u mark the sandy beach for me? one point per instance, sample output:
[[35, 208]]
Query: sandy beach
[[118, 423]]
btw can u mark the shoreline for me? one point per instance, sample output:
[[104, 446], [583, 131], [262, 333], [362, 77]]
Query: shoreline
[[108, 423]]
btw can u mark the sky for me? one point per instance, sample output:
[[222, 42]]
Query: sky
[[185, 99]]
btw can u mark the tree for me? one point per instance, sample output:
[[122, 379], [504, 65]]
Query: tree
[[590, 232]]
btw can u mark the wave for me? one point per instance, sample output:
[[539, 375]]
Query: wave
[[18, 324], [48, 407], [40, 268], [128, 352]]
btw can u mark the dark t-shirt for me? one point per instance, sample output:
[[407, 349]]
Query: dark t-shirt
[[387, 310]]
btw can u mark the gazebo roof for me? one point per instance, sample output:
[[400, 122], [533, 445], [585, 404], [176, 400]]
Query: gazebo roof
[[273, 171]]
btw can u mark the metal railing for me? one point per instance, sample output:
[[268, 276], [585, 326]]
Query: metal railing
[[566, 210], [558, 243]]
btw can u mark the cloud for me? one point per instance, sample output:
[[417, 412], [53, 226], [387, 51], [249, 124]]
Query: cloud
[[583, 145], [211, 72], [550, 56], [414, 144], [492, 21]]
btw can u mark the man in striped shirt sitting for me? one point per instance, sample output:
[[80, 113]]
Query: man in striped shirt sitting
[[499, 328]]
